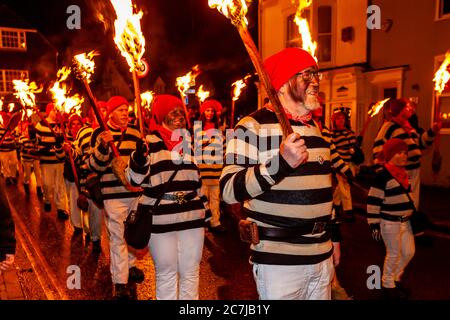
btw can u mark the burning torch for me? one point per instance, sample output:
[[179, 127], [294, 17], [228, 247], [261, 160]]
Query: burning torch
[[202, 95], [236, 10], [84, 66], [372, 113], [131, 43], [303, 27], [183, 84], [441, 77], [238, 86]]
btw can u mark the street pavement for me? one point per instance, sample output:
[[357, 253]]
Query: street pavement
[[48, 251]]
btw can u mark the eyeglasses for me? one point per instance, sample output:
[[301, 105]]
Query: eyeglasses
[[308, 75]]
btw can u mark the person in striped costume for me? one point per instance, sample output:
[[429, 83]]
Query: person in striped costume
[[8, 155], [388, 212], [117, 199], [399, 127], [344, 139], [177, 237], [83, 151], [210, 141], [286, 189], [51, 159], [30, 159]]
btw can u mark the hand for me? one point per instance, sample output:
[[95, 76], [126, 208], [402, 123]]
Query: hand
[[376, 231], [7, 263], [141, 148], [59, 139], [349, 176], [105, 137], [293, 150], [437, 127], [336, 253], [67, 148]]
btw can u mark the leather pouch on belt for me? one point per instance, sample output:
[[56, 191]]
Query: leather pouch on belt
[[248, 231]]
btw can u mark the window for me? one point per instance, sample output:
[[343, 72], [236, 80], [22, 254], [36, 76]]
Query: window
[[324, 33], [12, 39], [293, 35], [7, 76], [443, 9], [444, 100]]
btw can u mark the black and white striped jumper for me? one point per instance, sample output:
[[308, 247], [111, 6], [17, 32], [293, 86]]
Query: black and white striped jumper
[[344, 140], [387, 197], [170, 216], [276, 196], [9, 142], [211, 160], [416, 142], [338, 164], [83, 150], [28, 149], [100, 160], [46, 141]]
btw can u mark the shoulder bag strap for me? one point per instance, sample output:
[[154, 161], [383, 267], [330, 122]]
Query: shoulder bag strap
[[158, 200]]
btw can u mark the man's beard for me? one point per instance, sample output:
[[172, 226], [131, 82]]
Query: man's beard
[[309, 100]]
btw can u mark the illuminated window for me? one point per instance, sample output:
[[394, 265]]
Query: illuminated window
[[7, 76], [12, 39]]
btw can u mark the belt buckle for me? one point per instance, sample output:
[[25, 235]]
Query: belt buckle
[[179, 198], [319, 227], [403, 218]]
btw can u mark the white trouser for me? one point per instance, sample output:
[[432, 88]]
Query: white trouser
[[54, 184], [399, 241], [27, 165], [342, 193], [414, 180], [299, 282], [177, 257], [78, 218], [95, 220], [116, 212], [212, 192], [9, 163]]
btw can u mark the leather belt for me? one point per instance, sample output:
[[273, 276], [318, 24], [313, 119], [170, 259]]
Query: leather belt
[[310, 228], [391, 217], [180, 197]]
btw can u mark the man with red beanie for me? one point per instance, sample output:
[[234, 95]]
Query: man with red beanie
[[389, 209], [51, 157], [117, 200], [286, 189], [398, 126]]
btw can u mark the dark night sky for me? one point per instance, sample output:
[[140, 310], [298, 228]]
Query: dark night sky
[[179, 34]]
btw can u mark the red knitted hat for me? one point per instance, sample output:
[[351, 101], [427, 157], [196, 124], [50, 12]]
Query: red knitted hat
[[102, 104], [211, 104], [285, 64], [392, 147], [49, 108], [73, 118], [115, 102], [396, 106], [162, 105]]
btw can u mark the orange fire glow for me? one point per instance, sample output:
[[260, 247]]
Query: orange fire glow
[[147, 99], [442, 76], [85, 65], [202, 95], [303, 27], [186, 81], [60, 94], [25, 91], [238, 86], [235, 10], [377, 107]]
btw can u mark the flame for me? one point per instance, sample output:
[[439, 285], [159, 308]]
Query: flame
[[11, 106], [128, 35], [146, 99], [377, 107], [238, 86], [85, 65], [235, 10], [1, 120], [25, 92], [60, 94], [1, 103], [303, 27], [186, 81], [442, 76], [201, 94]]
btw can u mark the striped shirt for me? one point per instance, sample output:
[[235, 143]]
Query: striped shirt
[[274, 194], [83, 150], [210, 161], [387, 196], [8, 143], [344, 140], [170, 216], [415, 142], [336, 161], [28, 150], [100, 160], [48, 153]]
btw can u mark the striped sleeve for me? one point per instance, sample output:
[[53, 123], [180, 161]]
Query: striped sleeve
[[426, 138], [375, 199], [100, 157]]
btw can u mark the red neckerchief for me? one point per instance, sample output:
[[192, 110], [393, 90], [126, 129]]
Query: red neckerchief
[[399, 173], [303, 119], [404, 124], [166, 135]]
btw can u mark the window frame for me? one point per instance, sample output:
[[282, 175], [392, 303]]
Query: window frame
[[4, 82], [445, 94], [21, 38], [439, 16]]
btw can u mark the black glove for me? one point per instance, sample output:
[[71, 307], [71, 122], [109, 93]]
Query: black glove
[[59, 140], [349, 176], [32, 132], [140, 155], [376, 231]]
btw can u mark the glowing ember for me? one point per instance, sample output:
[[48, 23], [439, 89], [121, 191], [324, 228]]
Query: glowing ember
[[235, 10], [186, 81], [25, 92], [442, 76], [147, 98], [201, 94], [85, 65], [303, 27], [377, 107], [128, 35]]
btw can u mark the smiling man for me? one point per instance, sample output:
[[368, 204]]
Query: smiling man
[[287, 193]]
